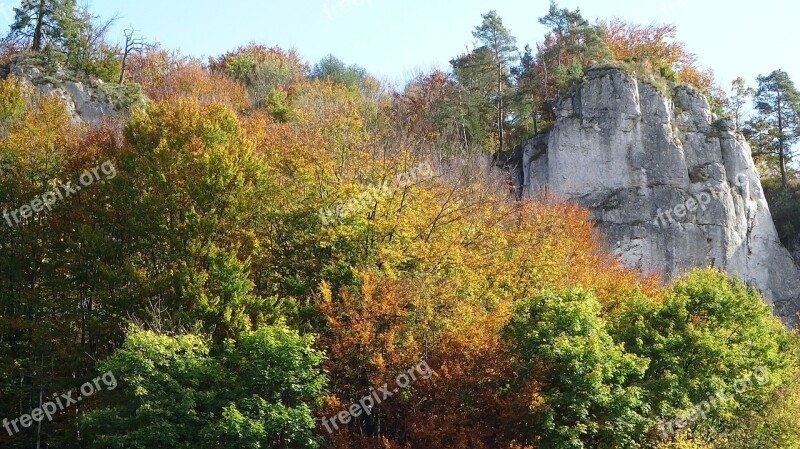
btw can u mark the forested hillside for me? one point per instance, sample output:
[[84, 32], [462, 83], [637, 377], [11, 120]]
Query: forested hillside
[[272, 253]]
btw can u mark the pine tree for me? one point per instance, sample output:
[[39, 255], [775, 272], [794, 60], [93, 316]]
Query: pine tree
[[776, 126], [571, 45], [45, 21], [527, 86], [502, 48]]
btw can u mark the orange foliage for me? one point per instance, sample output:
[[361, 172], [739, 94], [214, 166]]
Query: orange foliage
[[655, 43], [414, 112], [655, 46], [10, 48], [572, 252], [166, 75], [474, 259]]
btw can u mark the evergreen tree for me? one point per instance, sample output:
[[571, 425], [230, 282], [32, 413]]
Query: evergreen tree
[[525, 104], [331, 68], [571, 44], [46, 22], [476, 89], [502, 49], [776, 126]]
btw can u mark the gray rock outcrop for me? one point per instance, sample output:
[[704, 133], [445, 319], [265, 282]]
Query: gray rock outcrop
[[672, 186], [87, 99]]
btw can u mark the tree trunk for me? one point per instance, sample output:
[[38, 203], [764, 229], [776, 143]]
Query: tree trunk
[[124, 66], [500, 105], [37, 32], [782, 147]]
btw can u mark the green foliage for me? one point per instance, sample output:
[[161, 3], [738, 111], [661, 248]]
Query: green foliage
[[784, 204], [588, 384], [667, 71], [66, 34], [331, 68], [574, 35], [13, 100], [125, 97], [775, 427], [183, 392], [740, 97], [210, 237], [776, 127], [708, 333], [474, 73], [484, 79], [574, 43], [241, 66], [604, 379], [47, 23], [277, 105], [105, 64], [493, 35], [194, 214], [263, 71]]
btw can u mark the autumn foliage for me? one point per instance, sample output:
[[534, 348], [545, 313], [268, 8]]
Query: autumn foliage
[[234, 315], [656, 48]]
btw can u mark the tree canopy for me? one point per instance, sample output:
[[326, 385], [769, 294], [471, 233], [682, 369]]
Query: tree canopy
[[776, 126], [208, 275]]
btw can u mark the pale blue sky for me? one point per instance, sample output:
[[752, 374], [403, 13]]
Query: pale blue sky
[[395, 38]]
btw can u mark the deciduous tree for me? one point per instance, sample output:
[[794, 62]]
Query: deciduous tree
[[741, 96]]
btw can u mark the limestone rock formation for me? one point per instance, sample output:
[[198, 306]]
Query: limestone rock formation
[[672, 186], [87, 99]]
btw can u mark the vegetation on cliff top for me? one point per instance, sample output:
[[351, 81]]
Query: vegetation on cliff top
[[269, 252]]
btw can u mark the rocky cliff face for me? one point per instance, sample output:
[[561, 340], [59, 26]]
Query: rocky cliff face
[[87, 99], [672, 186]]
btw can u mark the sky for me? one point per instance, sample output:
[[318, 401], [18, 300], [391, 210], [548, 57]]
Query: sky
[[395, 39]]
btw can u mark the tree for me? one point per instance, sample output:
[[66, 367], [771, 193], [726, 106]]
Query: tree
[[572, 44], [45, 21], [331, 68], [582, 386], [268, 73], [776, 126], [85, 47], [502, 49], [654, 49], [705, 335], [526, 79], [168, 75], [133, 44], [71, 35], [426, 114], [741, 94], [181, 391], [474, 73]]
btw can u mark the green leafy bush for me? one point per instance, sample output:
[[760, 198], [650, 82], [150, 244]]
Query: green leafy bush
[[587, 381], [185, 392]]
